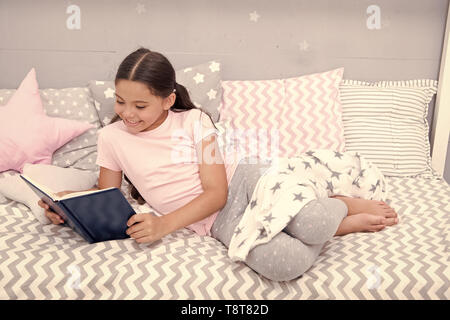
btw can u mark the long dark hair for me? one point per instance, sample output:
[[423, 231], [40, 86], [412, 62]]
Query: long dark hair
[[155, 71]]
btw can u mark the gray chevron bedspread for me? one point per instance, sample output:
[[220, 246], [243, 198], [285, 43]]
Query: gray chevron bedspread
[[406, 261]]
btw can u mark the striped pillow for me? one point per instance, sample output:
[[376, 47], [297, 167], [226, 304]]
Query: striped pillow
[[386, 122]]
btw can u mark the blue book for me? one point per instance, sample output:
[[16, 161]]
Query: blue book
[[97, 215]]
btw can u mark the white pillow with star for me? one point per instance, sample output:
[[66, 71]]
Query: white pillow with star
[[54, 177]]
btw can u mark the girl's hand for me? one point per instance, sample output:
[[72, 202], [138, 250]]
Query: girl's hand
[[145, 227], [51, 215]]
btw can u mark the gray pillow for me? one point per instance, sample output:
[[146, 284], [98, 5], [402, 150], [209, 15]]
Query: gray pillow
[[201, 81], [74, 104]]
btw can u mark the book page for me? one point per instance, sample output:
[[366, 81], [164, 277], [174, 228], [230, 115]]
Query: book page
[[44, 189], [81, 193]]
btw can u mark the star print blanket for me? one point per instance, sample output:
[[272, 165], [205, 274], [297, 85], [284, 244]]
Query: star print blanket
[[290, 183]]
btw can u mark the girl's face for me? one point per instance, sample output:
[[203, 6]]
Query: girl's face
[[139, 109]]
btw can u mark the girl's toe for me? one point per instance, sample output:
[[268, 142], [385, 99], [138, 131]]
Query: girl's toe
[[390, 221]]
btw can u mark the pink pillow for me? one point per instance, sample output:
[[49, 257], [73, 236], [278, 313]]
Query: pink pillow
[[27, 135], [252, 111], [284, 117], [312, 113]]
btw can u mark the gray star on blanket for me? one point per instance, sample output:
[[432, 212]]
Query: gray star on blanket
[[269, 217], [373, 189], [316, 160], [337, 154], [290, 168], [361, 174], [238, 230], [307, 164], [335, 174], [276, 187], [262, 233], [310, 153], [252, 204], [330, 186], [356, 183], [299, 197]]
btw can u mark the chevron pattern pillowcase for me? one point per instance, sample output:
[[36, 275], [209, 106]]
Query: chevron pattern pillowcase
[[387, 123], [252, 110], [312, 114], [285, 117]]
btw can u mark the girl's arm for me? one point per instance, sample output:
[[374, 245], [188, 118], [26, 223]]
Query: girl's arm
[[215, 188]]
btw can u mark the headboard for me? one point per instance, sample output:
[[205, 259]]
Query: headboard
[[440, 127]]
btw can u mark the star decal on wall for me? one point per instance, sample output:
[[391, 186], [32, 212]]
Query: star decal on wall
[[140, 8], [304, 45], [254, 16]]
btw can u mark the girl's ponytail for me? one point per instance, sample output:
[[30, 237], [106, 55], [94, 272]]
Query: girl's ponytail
[[183, 101]]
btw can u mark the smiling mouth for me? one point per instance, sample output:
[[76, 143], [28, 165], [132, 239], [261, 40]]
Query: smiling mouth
[[131, 124]]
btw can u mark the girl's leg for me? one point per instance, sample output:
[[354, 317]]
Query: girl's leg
[[290, 256], [240, 192], [321, 219], [318, 221], [359, 205], [283, 258]]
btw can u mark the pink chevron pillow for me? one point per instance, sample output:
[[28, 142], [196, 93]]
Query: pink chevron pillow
[[284, 117], [27, 135], [252, 111], [312, 113]]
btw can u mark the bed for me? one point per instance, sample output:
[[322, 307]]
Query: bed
[[406, 261]]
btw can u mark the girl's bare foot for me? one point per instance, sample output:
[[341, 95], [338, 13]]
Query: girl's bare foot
[[375, 207], [363, 222]]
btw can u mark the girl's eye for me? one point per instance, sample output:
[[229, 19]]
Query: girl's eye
[[140, 107], [119, 102]]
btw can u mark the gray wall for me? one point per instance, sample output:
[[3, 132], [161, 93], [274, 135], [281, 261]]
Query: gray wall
[[407, 45]]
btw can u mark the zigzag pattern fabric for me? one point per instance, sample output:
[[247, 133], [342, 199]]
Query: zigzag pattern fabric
[[406, 261], [253, 110], [285, 117], [312, 112]]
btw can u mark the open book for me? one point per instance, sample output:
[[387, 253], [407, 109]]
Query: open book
[[96, 215]]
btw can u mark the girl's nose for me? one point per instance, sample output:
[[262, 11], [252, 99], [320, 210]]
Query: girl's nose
[[128, 114]]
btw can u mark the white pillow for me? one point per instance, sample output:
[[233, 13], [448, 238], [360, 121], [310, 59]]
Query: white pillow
[[56, 178]]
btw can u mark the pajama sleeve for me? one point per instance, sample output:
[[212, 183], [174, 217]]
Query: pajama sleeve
[[202, 126], [105, 152]]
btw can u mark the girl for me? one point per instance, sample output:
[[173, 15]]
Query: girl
[[167, 150]]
